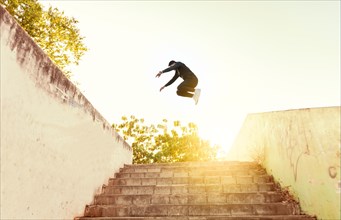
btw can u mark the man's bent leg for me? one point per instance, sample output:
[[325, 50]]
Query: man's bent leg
[[184, 94], [186, 88]]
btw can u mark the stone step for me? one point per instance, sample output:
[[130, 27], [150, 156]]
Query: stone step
[[244, 217], [182, 169], [145, 181], [191, 189], [185, 199], [182, 172], [191, 210], [197, 164]]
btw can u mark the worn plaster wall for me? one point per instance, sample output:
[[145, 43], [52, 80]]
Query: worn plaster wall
[[56, 149], [301, 149]]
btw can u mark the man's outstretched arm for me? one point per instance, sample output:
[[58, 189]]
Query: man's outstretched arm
[[170, 82], [172, 67]]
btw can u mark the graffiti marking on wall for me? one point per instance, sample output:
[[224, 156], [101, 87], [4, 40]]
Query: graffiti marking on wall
[[332, 172], [294, 152]]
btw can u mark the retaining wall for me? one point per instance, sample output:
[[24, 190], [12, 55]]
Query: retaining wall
[[56, 148], [301, 149]]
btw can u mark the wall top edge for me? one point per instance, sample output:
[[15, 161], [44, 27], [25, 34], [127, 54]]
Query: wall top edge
[[298, 109]]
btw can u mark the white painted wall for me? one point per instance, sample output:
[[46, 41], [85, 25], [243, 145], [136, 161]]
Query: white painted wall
[[301, 149], [56, 149]]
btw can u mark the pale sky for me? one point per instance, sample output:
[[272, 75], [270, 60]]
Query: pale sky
[[249, 56]]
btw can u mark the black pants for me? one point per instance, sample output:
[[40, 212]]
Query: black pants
[[186, 88]]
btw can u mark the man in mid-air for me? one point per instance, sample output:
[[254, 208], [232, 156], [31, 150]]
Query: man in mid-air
[[187, 87]]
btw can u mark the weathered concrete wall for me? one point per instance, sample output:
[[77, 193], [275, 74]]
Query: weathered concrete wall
[[301, 149], [56, 149]]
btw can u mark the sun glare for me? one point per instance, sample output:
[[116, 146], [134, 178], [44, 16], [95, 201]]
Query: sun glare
[[218, 136]]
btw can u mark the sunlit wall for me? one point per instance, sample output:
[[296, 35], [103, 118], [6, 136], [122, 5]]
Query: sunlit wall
[[301, 149], [56, 149]]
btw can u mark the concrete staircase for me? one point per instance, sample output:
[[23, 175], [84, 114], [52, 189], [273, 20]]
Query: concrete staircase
[[193, 191]]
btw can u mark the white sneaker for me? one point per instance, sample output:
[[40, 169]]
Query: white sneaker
[[196, 95]]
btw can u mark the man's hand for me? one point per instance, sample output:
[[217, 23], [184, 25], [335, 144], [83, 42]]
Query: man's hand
[[162, 88], [159, 74]]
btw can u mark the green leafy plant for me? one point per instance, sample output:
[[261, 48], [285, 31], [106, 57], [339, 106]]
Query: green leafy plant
[[163, 143], [54, 32]]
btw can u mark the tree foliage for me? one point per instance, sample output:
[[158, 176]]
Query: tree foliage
[[54, 32], [160, 144]]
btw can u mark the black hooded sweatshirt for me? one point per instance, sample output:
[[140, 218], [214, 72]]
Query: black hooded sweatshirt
[[180, 70]]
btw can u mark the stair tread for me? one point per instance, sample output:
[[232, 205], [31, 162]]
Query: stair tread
[[218, 168], [210, 204], [259, 217], [195, 163], [187, 194], [188, 184], [160, 177]]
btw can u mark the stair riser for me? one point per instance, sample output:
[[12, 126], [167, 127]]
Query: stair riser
[[189, 189], [238, 198], [191, 210], [196, 164], [196, 170], [172, 173], [190, 180]]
